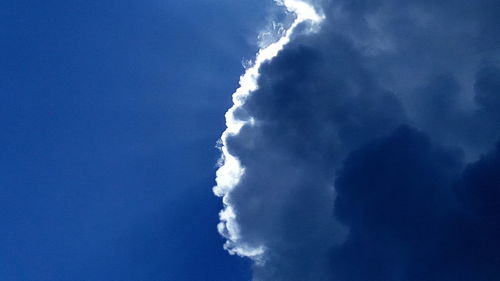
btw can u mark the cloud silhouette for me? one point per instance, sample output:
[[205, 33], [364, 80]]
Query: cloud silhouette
[[369, 151]]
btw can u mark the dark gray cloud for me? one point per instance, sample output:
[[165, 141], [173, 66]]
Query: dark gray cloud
[[414, 216], [363, 158]]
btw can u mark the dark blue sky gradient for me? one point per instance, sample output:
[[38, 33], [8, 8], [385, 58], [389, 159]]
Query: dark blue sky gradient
[[109, 113]]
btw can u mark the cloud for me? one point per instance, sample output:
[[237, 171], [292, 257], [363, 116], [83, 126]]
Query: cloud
[[414, 216], [231, 171], [363, 150]]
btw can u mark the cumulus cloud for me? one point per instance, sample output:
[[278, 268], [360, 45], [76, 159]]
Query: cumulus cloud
[[231, 171], [414, 215], [364, 148]]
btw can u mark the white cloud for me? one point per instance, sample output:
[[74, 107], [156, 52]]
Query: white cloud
[[230, 171]]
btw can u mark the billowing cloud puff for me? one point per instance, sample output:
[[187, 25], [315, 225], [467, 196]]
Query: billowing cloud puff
[[365, 149], [414, 215]]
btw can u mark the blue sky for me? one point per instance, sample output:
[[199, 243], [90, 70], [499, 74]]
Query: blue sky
[[110, 111]]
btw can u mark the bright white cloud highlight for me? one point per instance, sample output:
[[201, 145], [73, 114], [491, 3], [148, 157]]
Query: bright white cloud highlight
[[230, 171]]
